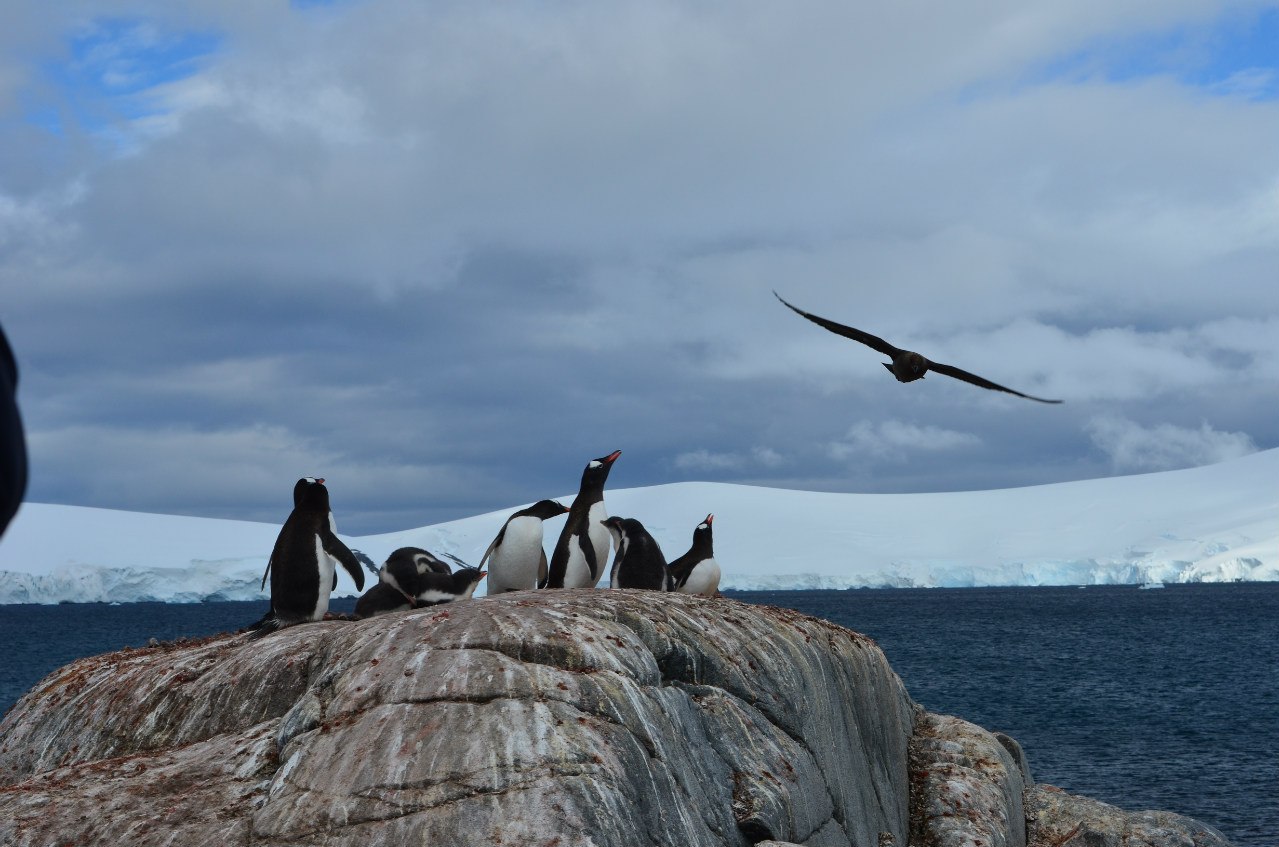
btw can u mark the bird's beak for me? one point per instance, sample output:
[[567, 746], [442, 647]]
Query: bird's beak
[[320, 480], [710, 518], [612, 457]]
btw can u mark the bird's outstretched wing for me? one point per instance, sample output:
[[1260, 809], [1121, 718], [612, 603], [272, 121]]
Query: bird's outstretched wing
[[957, 373], [872, 341]]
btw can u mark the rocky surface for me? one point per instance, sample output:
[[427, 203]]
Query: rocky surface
[[1057, 819], [536, 718]]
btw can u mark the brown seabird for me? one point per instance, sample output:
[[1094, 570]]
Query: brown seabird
[[907, 366]]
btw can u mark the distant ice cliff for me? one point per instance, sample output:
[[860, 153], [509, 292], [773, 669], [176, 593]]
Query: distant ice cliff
[[1218, 523]]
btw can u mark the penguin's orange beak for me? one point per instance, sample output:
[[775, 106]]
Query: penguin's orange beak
[[710, 518], [612, 457], [320, 480]]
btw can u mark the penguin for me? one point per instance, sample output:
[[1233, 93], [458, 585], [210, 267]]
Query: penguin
[[303, 563], [380, 599], [404, 567], [697, 572], [639, 562], [516, 559], [413, 578], [436, 588], [582, 549]]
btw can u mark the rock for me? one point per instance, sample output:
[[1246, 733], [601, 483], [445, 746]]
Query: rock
[[967, 787], [1058, 819], [542, 718], [567, 717]]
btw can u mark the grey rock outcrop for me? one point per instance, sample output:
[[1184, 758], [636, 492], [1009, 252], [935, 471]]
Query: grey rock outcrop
[[571, 717], [535, 718], [1057, 819]]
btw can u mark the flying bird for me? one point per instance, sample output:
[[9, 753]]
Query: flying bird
[[907, 366]]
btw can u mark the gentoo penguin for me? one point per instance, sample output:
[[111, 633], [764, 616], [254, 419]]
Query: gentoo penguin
[[406, 565], [414, 589], [639, 562], [697, 572], [906, 365], [436, 588], [516, 559], [303, 563], [580, 554]]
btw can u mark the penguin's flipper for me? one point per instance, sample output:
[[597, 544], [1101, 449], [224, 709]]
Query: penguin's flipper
[[335, 548], [588, 553], [497, 542], [559, 561], [264, 574], [541, 568]]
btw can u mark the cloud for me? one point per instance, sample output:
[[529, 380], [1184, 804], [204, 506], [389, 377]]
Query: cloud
[[474, 245], [706, 460], [896, 440], [1133, 447]]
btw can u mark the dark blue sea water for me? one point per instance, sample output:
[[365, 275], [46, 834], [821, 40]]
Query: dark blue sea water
[[1160, 699]]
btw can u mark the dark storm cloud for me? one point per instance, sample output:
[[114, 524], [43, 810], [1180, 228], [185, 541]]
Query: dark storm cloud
[[443, 254]]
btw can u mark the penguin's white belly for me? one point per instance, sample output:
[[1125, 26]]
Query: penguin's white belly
[[578, 573], [514, 564], [326, 565], [704, 579]]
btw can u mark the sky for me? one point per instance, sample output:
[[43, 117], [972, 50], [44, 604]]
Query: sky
[[444, 253]]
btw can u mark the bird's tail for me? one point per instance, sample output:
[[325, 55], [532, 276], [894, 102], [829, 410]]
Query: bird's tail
[[265, 625]]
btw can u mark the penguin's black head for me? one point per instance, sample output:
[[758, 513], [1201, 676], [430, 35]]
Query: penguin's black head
[[547, 509], [597, 469], [465, 581], [309, 493], [702, 534]]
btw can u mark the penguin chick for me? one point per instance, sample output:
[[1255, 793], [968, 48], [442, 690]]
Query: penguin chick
[[697, 572], [907, 366], [516, 558], [639, 562], [582, 549], [406, 565], [436, 588], [381, 599], [399, 581], [303, 562]]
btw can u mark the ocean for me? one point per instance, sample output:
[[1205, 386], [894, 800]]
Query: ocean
[[1146, 699]]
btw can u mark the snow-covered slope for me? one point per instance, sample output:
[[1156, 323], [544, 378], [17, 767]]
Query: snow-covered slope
[[1209, 524]]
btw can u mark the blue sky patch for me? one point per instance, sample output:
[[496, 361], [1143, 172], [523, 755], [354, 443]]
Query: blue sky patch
[[1236, 55], [109, 71]]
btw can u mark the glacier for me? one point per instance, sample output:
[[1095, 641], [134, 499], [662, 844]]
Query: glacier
[[1216, 523]]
